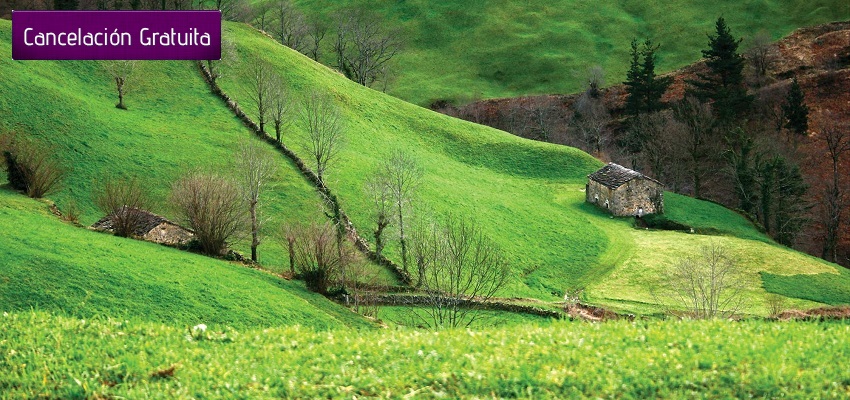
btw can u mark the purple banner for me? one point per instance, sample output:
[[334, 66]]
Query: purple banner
[[116, 35]]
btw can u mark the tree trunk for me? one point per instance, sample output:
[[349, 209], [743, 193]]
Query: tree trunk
[[255, 240], [291, 242], [277, 129]]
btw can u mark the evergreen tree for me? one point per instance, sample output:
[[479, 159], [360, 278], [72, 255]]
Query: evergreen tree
[[790, 214], [643, 87], [723, 84], [796, 111]]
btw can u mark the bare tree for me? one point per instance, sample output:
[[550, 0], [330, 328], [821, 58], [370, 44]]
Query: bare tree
[[378, 190], [462, 269], [317, 258], [403, 175], [234, 10], [317, 30], [363, 47], [261, 78], [708, 285], [255, 167], [281, 106], [323, 123], [759, 57], [262, 14], [697, 140], [228, 58], [837, 141], [31, 166], [591, 119], [360, 277], [212, 206], [289, 233], [291, 28], [124, 202], [121, 71]]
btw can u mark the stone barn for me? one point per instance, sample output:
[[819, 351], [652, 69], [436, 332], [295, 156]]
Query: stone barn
[[624, 192], [152, 228]]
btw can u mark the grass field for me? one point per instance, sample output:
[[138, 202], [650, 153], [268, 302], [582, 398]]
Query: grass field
[[48, 356], [465, 50], [49, 265], [527, 196]]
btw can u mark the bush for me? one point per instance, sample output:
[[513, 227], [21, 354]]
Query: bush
[[212, 206], [320, 260], [124, 202], [30, 166]]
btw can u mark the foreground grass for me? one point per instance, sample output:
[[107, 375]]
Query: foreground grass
[[49, 265], [48, 356], [462, 50]]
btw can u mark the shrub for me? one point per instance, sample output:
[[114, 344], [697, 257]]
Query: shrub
[[30, 166], [212, 206], [124, 202]]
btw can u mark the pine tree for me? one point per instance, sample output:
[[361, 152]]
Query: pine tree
[[723, 84], [796, 111], [644, 88]]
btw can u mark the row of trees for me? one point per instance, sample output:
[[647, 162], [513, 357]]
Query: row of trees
[[361, 47]]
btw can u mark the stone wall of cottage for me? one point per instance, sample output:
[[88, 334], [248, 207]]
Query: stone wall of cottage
[[632, 198], [599, 194]]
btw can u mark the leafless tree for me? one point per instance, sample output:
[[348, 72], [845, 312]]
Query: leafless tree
[[323, 123], [542, 114], [31, 166], [291, 28], [462, 268], [360, 278], [263, 15], [698, 140], [657, 153], [212, 206], [708, 285], [289, 235], [759, 57], [121, 71], [363, 47], [124, 202], [281, 106], [234, 10], [316, 32], [402, 174], [378, 190], [591, 120], [228, 58], [261, 77], [255, 168], [317, 257], [837, 141]]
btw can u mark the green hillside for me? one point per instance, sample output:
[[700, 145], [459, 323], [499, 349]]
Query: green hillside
[[528, 196], [463, 50], [49, 265]]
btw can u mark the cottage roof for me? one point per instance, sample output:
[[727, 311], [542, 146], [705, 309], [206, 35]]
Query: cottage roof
[[147, 221], [615, 175]]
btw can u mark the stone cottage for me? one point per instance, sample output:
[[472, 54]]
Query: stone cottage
[[152, 228], [624, 192]]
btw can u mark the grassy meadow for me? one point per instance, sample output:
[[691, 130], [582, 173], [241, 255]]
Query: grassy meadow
[[466, 50], [526, 195], [48, 356]]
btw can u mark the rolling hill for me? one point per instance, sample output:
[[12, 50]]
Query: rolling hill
[[527, 196], [469, 50]]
